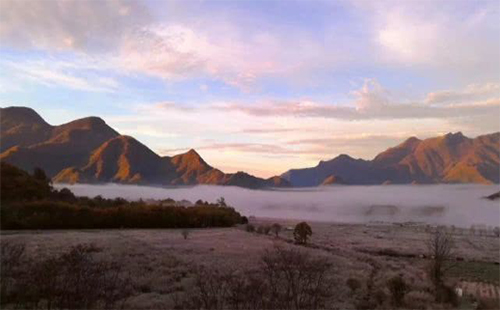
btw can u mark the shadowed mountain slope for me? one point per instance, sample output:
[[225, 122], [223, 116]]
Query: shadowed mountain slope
[[22, 127], [89, 151], [38, 144]]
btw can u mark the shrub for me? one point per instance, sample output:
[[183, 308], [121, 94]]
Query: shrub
[[185, 233], [295, 279], [418, 300], [65, 194], [244, 220], [267, 230], [221, 202], [276, 229], [398, 288], [301, 232], [72, 280], [260, 229], [353, 284], [250, 228], [12, 259], [379, 296], [286, 279], [446, 294]]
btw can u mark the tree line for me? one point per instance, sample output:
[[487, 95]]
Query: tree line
[[30, 202]]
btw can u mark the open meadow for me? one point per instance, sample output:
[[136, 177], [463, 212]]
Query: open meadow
[[162, 267]]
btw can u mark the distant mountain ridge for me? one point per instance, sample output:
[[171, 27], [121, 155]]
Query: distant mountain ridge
[[87, 150], [451, 158]]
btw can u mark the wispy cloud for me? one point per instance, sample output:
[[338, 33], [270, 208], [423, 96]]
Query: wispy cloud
[[61, 74], [372, 101], [472, 93]]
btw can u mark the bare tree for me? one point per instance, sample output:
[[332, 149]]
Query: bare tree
[[440, 246], [276, 228], [295, 279], [185, 233], [221, 202], [301, 232]]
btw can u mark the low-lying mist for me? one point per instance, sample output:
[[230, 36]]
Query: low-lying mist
[[459, 205]]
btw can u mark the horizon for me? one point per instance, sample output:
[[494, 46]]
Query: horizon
[[255, 87]]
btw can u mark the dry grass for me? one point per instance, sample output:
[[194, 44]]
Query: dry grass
[[162, 264]]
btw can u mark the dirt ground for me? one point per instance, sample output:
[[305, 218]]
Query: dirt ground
[[160, 262]]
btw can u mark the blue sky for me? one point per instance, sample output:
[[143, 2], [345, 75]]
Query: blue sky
[[260, 86]]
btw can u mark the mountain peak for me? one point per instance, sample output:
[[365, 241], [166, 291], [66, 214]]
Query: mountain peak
[[91, 122], [21, 115], [344, 157], [456, 134], [192, 152], [411, 141], [454, 137]]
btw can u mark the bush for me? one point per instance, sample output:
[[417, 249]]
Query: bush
[[301, 232], [379, 296], [446, 294], [73, 280], [286, 279], [267, 230], [260, 229], [276, 229], [296, 280], [250, 228], [398, 288], [12, 261], [353, 284], [221, 202], [244, 220], [418, 300], [185, 233]]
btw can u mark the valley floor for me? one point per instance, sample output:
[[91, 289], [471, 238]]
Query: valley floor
[[161, 262]]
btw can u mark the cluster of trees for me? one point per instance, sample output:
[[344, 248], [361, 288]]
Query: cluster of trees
[[301, 232], [30, 202]]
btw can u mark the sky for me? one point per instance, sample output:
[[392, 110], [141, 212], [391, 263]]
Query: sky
[[257, 86]]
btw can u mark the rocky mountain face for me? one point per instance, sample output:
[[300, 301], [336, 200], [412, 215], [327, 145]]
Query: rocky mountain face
[[89, 151], [451, 158]]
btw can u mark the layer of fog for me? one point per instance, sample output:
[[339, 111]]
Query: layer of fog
[[459, 205]]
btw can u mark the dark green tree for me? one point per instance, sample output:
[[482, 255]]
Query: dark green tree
[[222, 202], [40, 175], [301, 232]]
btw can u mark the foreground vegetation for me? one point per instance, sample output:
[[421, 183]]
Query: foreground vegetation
[[30, 202], [217, 269]]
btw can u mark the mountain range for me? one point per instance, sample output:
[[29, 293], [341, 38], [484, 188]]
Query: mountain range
[[451, 158], [87, 150]]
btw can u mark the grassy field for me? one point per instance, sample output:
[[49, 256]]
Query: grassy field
[[161, 262]]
